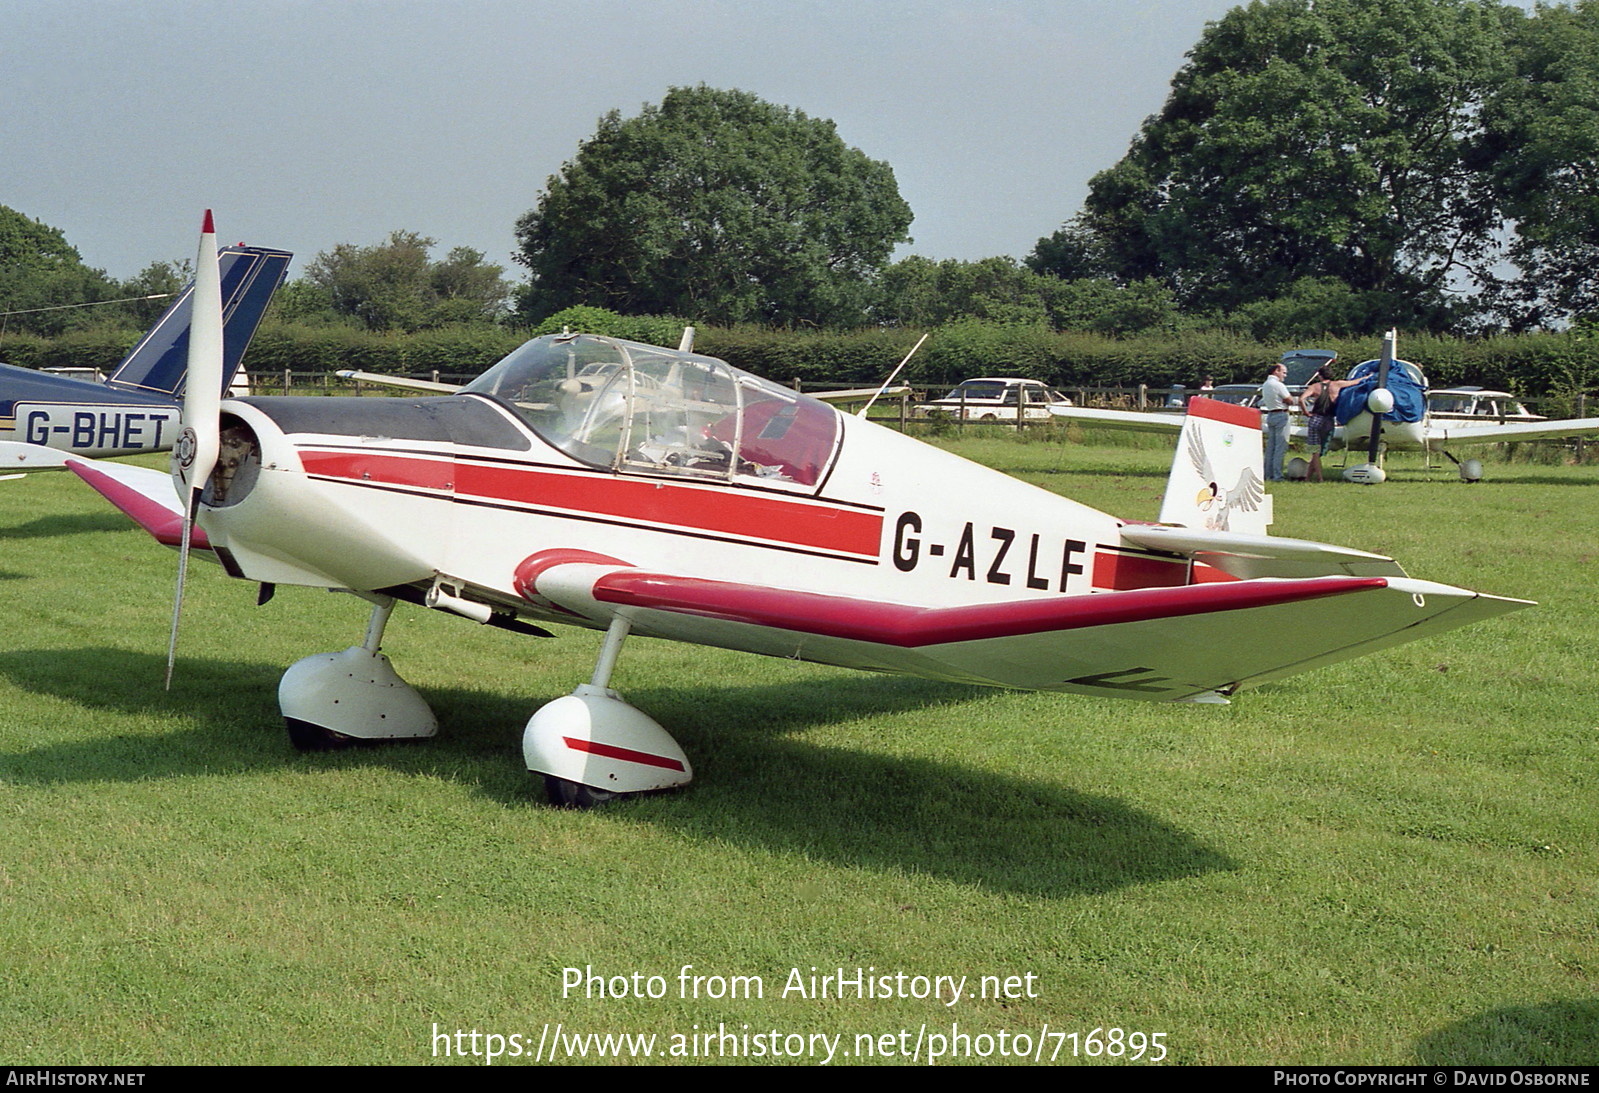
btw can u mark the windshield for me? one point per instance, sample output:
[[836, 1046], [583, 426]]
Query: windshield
[[647, 410]]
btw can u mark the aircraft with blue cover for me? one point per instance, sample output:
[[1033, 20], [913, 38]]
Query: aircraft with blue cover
[[45, 417], [1385, 411]]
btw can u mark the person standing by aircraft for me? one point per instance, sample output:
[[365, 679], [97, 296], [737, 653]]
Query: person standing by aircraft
[[1318, 400], [1274, 403]]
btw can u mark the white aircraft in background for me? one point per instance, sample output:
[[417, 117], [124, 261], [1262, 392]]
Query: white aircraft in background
[[1371, 420], [633, 489]]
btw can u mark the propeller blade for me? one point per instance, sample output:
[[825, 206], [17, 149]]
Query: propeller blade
[[1383, 366], [195, 455]]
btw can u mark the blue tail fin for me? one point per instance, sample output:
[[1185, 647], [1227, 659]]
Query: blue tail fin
[[160, 361]]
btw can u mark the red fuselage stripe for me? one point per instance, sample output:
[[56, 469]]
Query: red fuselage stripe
[[611, 751], [913, 627], [718, 510], [1122, 572]]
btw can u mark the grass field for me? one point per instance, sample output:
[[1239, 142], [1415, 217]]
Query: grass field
[[1389, 861]]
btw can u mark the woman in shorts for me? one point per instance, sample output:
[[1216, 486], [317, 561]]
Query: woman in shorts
[[1318, 400]]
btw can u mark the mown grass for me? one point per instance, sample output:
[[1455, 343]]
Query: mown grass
[[1388, 861]]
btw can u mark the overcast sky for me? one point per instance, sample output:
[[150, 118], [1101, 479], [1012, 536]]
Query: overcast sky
[[308, 123]]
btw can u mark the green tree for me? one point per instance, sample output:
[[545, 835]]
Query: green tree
[[1316, 138], [1313, 306], [1071, 253], [162, 280], [918, 291], [396, 286], [718, 206], [1542, 147], [40, 269]]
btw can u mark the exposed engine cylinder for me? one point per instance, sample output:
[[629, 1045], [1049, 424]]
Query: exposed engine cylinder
[[238, 465]]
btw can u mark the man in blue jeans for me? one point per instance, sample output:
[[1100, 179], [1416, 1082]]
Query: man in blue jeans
[[1274, 403]]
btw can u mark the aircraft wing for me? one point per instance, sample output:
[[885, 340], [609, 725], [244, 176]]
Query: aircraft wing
[[1142, 421], [1195, 642], [1441, 433], [404, 382], [143, 494]]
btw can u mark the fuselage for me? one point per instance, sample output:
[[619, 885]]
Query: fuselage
[[1409, 436], [83, 417], [658, 459], [891, 519]]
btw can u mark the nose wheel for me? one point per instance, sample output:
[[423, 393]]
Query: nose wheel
[[336, 700]]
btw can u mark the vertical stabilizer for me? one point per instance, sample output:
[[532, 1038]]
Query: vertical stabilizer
[[160, 360], [1217, 475]]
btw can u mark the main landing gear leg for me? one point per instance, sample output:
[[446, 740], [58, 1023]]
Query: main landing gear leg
[[334, 700], [592, 747]]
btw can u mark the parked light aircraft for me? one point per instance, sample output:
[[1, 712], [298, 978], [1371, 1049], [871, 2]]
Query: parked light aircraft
[[1429, 432], [638, 490], [1477, 404], [43, 416]]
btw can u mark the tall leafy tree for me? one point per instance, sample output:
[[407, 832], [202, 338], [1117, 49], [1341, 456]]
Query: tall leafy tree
[[714, 205], [1316, 139], [1542, 148], [395, 285], [40, 269]]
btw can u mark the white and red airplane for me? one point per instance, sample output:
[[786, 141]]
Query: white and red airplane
[[634, 489]]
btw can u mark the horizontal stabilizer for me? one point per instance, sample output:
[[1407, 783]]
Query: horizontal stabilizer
[[1251, 556], [145, 495], [855, 394], [17, 459]]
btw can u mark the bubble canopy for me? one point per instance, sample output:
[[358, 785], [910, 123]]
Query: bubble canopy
[[642, 409]]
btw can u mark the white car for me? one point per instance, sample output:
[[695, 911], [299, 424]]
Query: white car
[[991, 399]]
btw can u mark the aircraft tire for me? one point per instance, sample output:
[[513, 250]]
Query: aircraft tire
[[568, 794], [308, 737]]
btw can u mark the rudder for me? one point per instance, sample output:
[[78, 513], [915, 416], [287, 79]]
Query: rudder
[[1217, 479], [160, 361]]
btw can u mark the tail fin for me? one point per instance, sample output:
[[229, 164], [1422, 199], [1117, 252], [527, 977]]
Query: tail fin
[[160, 361], [1217, 476]]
